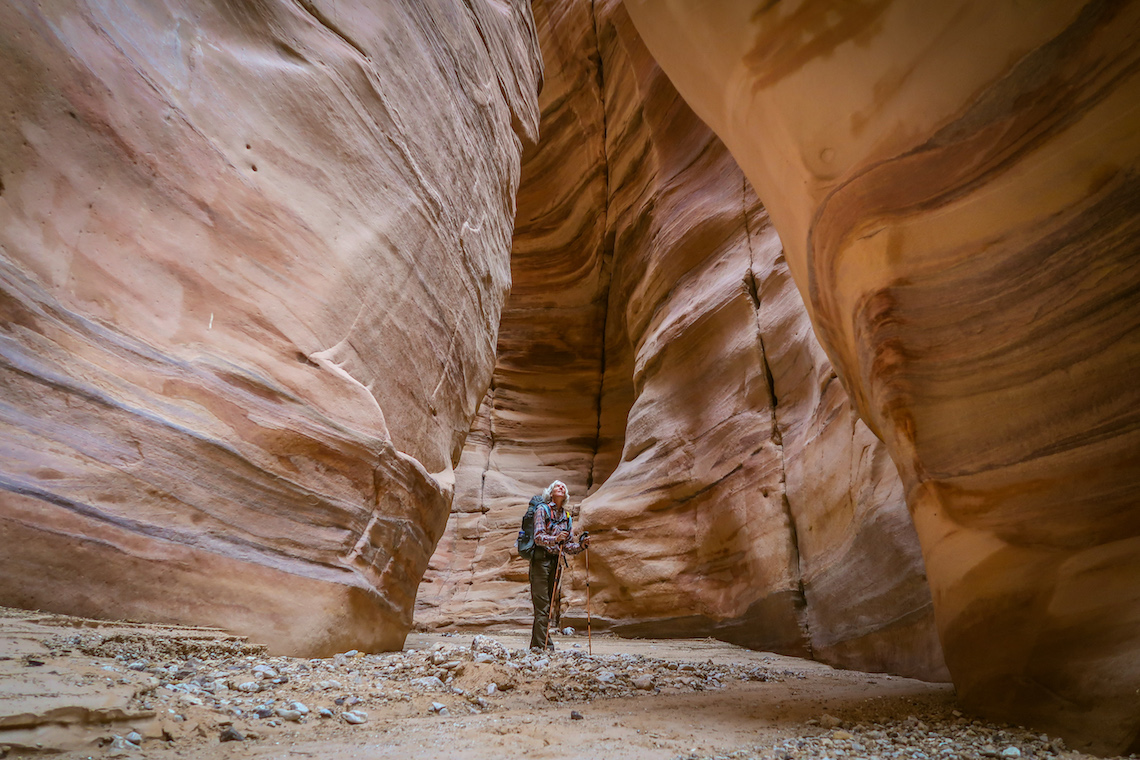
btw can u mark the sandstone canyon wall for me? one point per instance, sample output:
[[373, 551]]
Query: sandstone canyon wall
[[656, 355], [252, 261], [956, 188], [539, 420]]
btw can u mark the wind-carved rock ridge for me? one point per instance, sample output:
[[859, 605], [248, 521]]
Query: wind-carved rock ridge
[[709, 481], [251, 270], [958, 204]]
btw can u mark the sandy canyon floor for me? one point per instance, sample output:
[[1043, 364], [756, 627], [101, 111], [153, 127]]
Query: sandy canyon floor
[[82, 688]]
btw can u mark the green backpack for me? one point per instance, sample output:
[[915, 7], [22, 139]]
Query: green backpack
[[525, 542]]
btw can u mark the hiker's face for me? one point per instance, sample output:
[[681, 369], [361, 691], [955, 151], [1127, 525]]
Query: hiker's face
[[558, 494]]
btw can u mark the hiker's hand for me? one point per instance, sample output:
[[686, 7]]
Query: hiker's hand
[[584, 541], [563, 536]]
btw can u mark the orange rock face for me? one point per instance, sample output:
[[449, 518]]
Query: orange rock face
[[955, 186], [252, 261], [656, 355]]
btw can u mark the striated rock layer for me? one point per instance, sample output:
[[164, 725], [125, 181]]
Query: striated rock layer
[[539, 420], [657, 356], [956, 188], [252, 261]]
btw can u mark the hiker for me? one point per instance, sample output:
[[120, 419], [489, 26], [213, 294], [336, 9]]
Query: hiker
[[552, 531]]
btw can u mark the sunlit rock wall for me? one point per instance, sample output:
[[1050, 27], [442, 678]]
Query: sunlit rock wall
[[252, 262], [956, 188], [732, 490]]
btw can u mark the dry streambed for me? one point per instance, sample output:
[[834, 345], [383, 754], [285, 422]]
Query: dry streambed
[[93, 689], [227, 684]]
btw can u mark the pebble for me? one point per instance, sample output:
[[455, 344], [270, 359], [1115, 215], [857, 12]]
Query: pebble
[[429, 682], [488, 645], [250, 687], [299, 707], [134, 737], [231, 734], [643, 682], [575, 715], [325, 712], [355, 717], [606, 676], [492, 688], [118, 746], [1011, 752], [830, 721]]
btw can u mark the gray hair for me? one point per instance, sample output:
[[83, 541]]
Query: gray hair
[[550, 489]]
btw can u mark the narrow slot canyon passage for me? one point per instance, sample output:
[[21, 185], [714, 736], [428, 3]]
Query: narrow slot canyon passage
[[656, 356], [827, 313]]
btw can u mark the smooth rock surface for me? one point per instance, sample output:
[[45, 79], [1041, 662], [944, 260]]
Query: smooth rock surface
[[657, 356], [956, 188], [252, 260]]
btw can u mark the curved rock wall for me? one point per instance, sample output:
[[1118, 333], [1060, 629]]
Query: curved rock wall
[[539, 420], [252, 261], [732, 490], [955, 186]]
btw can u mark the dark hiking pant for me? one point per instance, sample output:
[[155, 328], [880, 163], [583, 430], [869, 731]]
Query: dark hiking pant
[[543, 572]]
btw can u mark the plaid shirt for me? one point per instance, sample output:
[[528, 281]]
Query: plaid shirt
[[549, 521]]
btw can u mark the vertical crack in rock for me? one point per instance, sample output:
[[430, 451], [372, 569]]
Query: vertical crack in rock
[[753, 289], [607, 252]]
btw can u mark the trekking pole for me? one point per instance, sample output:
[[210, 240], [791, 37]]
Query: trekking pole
[[589, 629], [553, 595]]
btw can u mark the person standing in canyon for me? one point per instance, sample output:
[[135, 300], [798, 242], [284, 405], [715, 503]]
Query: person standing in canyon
[[552, 538]]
